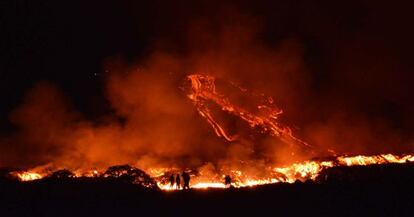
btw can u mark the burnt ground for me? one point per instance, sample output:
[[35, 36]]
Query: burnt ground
[[381, 190]]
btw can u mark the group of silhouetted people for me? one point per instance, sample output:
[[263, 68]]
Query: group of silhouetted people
[[177, 180]]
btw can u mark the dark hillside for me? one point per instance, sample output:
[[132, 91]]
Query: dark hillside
[[379, 190]]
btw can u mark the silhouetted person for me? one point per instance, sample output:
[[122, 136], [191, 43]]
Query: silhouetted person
[[172, 180], [178, 181], [227, 181], [186, 179]]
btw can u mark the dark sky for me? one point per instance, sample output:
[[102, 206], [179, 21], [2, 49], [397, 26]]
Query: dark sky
[[362, 50]]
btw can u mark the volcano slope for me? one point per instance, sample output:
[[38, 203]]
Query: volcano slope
[[376, 190]]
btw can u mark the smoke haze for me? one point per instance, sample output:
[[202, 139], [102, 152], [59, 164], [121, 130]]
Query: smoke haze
[[357, 101]]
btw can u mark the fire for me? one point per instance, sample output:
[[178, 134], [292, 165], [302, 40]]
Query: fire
[[303, 171], [377, 159], [308, 170], [204, 185], [27, 176]]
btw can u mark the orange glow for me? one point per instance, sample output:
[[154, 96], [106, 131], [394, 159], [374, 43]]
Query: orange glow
[[308, 170]]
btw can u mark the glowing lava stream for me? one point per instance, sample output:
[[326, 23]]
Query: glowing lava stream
[[203, 89], [308, 170]]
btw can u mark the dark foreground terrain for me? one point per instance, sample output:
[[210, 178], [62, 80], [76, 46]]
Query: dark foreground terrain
[[382, 190]]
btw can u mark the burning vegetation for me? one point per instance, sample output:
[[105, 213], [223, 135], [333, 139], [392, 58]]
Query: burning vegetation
[[309, 170]]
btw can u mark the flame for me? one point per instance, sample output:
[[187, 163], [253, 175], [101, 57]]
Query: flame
[[302, 171], [308, 170], [27, 176], [204, 185], [377, 159]]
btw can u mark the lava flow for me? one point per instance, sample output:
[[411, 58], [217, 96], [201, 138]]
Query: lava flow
[[203, 89]]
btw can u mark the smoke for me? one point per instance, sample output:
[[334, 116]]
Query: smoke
[[154, 124], [43, 122]]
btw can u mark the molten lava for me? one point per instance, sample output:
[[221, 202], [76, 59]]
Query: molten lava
[[203, 89]]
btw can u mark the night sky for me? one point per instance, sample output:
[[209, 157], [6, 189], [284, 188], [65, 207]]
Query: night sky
[[360, 52]]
